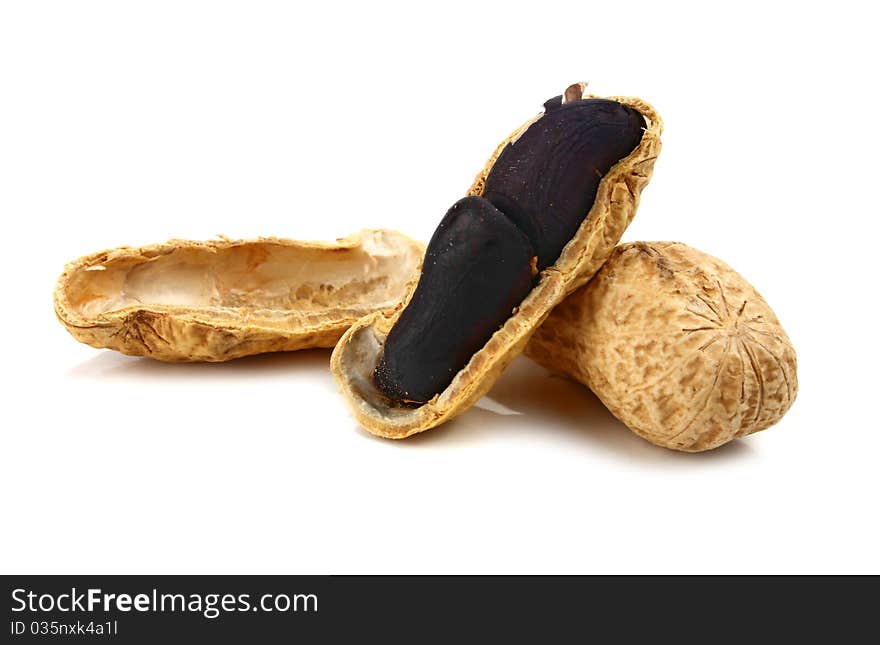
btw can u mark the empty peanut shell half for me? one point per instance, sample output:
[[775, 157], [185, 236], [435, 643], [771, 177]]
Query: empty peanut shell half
[[223, 299], [570, 206], [676, 344]]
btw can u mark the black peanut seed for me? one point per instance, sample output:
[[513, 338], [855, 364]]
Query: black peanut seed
[[482, 259], [546, 180], [477, 268]]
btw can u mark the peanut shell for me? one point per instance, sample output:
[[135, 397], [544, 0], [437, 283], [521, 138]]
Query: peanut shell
[[223, 299], [356, 355], [676, 344]]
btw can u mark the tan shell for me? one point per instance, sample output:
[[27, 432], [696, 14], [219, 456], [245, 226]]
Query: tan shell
[[222, 299], [676, 344], [358, 351]]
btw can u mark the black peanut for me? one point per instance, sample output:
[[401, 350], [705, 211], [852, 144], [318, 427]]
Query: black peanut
[[482, 259], [546, 180], [477, 268]]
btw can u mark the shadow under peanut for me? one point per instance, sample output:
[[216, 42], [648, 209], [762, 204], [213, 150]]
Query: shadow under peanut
[[529, 400], [111, 365]]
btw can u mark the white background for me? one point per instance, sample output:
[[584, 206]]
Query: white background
[[131, 123]]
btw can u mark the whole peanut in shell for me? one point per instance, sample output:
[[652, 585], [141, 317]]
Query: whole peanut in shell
[[676, 344]]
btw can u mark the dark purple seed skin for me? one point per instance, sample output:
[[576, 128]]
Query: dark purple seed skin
[[546, 181], [477, 269], [479, 264], [552, 104]]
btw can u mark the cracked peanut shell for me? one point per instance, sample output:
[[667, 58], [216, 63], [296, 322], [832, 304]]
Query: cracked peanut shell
[[359, 350], [223, 299], [676, 344]]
